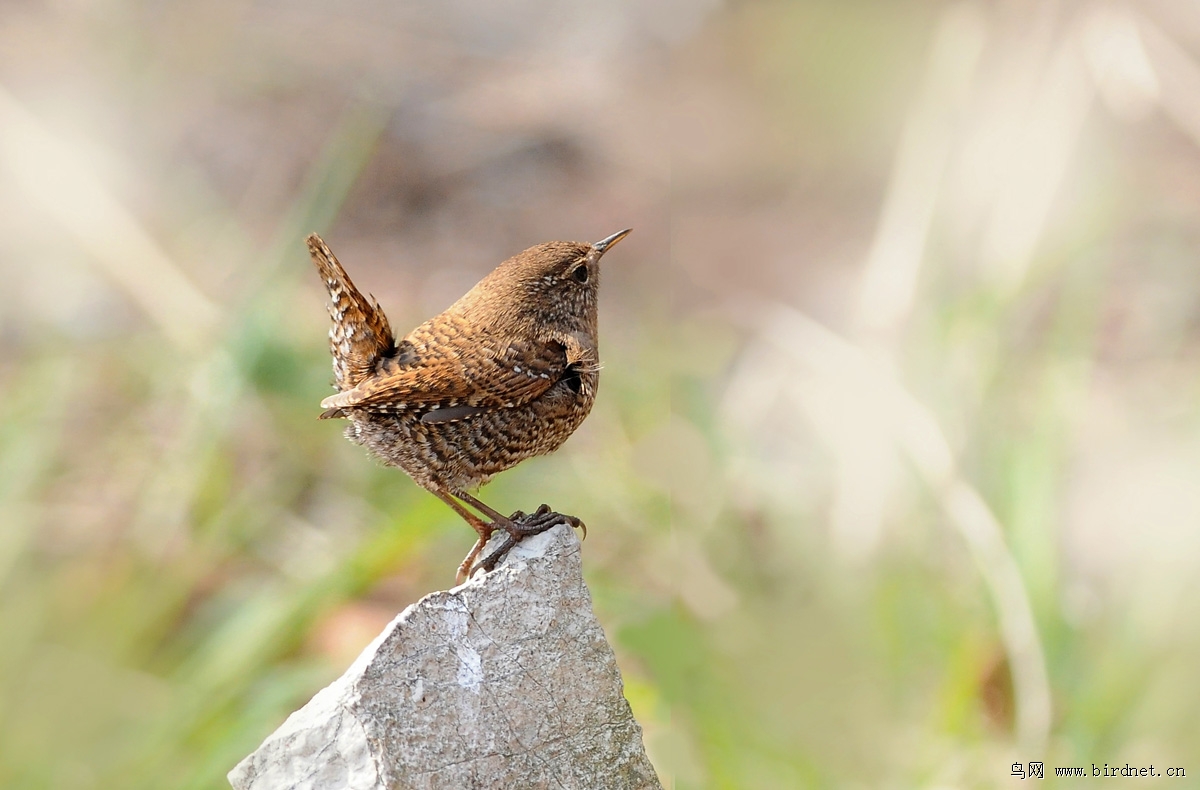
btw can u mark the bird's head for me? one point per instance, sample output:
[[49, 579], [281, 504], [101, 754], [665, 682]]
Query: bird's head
[[553, 284]]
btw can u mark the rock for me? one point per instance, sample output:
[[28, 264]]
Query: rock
[[506, 681]]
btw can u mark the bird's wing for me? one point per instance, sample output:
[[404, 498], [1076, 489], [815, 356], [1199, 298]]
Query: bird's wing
[[360, 335], [486, 374]]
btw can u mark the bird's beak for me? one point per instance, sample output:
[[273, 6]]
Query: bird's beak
[[602, 246]]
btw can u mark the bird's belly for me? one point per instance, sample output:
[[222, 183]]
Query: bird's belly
[[466, 453]]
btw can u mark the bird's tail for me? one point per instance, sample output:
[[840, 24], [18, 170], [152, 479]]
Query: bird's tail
[[360, 334]]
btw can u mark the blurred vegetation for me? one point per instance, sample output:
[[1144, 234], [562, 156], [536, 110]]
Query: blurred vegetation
[[991, 207]]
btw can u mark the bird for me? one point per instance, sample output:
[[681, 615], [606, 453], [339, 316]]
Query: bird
[[507, 372]]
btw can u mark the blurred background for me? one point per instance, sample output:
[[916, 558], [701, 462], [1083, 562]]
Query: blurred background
[[893, 476]]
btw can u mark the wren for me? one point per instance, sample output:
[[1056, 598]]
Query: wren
[[507, 372]]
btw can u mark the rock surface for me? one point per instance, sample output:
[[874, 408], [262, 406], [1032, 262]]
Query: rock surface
[[505, 681]]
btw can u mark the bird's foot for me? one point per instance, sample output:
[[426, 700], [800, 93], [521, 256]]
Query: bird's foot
[[522, 525], [541, 520], [521, 515]]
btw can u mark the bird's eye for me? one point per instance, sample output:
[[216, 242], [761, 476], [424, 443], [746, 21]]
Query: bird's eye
[[580, 273]]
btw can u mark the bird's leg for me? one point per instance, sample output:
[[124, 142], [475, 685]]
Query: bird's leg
[[484, 529], [523, 525], [518, 527]]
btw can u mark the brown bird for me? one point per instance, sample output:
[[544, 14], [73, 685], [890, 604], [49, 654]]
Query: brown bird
[[507, 372]]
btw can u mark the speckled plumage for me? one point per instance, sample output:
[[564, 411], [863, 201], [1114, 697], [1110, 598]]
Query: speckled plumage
[[507, 372]]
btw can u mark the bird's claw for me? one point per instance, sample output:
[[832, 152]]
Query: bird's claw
[[520, 515], [521, 525], [561, 518]]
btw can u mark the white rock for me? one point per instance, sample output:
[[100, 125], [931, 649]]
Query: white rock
[[506, 681]]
